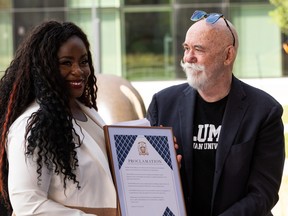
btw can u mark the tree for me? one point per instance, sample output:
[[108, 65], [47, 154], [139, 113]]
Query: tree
[[280, 16]]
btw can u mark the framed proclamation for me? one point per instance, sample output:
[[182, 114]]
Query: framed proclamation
[[145, 170]]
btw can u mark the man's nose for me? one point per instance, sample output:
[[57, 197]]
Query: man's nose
[[190, 57]]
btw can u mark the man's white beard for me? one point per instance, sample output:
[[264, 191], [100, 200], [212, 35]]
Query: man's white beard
[[194, 73]]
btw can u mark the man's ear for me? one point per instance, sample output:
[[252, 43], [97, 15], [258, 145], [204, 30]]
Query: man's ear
[[230, 55]]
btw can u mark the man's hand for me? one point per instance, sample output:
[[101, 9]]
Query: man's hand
[[178, 157]]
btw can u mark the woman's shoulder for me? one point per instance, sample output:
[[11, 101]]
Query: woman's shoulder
[[22, 120]]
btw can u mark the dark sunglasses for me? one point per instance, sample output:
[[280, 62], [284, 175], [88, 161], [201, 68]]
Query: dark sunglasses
[[211, 18]]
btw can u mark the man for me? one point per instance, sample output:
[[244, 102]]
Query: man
[[238, 171]]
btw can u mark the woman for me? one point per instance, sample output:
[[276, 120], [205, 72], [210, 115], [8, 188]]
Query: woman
[[53, 158]]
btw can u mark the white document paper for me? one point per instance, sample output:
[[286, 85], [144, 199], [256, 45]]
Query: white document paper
[[138, 122], [146, 171]]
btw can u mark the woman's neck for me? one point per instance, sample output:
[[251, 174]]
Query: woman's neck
[[77, 112]]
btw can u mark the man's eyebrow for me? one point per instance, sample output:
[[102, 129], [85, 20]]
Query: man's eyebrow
[[197, 46]]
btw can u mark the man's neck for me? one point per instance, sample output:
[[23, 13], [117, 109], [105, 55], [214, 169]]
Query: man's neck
[[217, 92]]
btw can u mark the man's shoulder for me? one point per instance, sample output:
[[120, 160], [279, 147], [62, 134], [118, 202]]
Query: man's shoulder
[[257, 95], [175, 89]]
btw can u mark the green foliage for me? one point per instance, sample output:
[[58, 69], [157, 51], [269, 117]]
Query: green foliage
[[5, 4], [280, 14]]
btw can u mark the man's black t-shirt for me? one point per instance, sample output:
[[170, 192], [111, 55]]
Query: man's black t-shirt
[[206, 132]]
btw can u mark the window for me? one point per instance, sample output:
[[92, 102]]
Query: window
[[148, 46], [145, 2]]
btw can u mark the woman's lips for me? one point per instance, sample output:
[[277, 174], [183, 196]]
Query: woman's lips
[[76, 84]]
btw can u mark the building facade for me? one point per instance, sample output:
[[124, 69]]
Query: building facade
[[141, 40]]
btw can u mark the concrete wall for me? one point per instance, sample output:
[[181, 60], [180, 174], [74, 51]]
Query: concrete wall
[[277, 87]]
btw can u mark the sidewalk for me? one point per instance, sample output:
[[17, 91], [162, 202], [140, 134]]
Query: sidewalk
[[281, 208]]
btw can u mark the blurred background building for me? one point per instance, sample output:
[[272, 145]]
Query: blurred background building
[[141, 40]]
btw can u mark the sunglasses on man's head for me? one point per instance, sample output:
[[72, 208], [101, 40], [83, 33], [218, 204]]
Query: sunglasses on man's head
[[211, 18]]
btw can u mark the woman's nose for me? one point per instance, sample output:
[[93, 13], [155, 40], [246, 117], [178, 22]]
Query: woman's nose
[[76, 70]]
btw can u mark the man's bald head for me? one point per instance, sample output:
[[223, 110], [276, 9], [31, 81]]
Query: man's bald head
[[217, 33]]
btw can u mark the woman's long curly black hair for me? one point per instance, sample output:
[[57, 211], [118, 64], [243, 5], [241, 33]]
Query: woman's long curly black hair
[[34, 75]]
